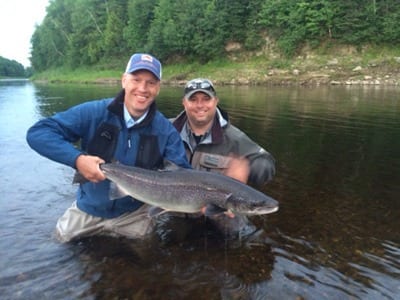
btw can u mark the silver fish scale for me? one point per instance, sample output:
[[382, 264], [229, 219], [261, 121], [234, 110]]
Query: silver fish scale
[[188, 191]]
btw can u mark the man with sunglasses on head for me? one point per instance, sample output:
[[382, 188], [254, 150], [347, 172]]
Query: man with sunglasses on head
[[213, 144]]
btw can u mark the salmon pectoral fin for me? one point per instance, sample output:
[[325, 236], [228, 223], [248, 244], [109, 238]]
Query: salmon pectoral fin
[[212, 210], [156, 211]]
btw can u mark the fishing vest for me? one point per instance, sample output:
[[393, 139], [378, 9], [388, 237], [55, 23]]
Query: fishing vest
[[105, 140]]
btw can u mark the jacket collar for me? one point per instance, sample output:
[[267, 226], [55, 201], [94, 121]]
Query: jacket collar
[[117, 108]]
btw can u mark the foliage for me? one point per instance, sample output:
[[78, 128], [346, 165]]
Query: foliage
[[12, 68], [77, 33], [139, 19]]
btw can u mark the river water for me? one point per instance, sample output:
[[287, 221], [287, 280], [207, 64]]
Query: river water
[[336, 235]]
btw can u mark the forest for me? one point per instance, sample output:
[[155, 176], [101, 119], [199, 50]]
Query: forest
[[12, 68], [77, 33]]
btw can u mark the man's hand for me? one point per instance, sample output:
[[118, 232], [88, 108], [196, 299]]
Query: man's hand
[[89, 167], [238, 168]]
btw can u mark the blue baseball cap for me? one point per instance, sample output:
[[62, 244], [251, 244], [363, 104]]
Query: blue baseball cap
[[143, 61]]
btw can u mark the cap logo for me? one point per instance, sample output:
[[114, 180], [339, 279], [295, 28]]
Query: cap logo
[[147, 57]]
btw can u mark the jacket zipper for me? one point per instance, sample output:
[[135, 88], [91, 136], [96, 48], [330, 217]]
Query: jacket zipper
[[129, 140]]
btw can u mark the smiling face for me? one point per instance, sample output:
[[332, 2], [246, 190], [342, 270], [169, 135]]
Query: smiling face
[[200, 109], [141, 88]]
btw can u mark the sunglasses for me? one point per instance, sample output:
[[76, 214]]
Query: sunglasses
[[197, 84]]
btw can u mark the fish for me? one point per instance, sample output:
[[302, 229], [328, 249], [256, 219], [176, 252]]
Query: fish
[[182, 190]]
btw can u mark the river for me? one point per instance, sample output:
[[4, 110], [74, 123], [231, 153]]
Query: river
[[336, 235]]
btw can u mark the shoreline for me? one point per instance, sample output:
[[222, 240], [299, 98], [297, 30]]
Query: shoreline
[[309, 69], [248, 77], [288, 81]]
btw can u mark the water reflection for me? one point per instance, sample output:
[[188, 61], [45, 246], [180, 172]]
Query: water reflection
[[52, 98], [335, 237], [147, 271]]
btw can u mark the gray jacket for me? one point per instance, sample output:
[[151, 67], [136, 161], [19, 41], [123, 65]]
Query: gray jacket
[[222, 141]]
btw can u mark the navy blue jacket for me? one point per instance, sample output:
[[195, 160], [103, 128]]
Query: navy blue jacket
[[145, 144]]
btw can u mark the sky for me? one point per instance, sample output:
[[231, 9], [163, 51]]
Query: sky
[[17, 24]]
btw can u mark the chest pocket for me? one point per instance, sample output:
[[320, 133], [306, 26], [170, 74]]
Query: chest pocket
[[149, 156], [213, 161], [104, 141]]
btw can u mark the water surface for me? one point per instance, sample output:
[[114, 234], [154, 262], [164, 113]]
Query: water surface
[[336, 235]]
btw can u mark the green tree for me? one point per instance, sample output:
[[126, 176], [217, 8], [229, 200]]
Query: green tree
[[294, 23], [166, 38], [284, 19], [40, 49], [11, 68], [354, 22], [50, 41], [205, 26], [254, 32], [140, 16], [88, 24], [114, 43], [389, 16], [86, 32]]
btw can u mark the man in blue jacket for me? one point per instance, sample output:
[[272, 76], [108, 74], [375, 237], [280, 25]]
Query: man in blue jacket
[[129, 129]]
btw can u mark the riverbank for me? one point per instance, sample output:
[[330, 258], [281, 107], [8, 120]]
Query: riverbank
[[341, 66]]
